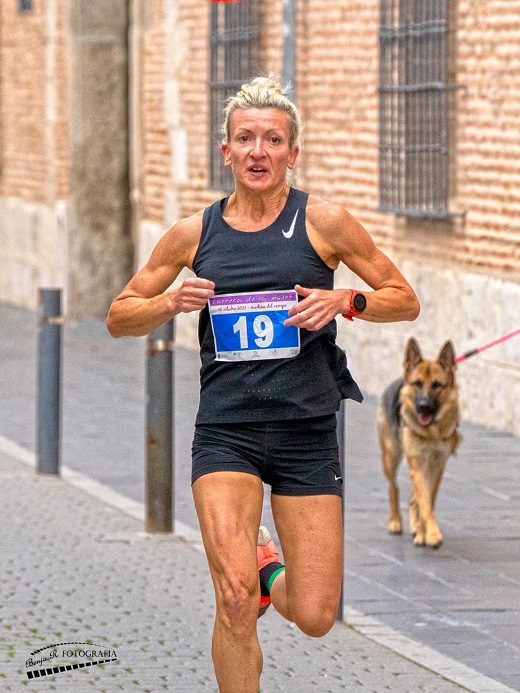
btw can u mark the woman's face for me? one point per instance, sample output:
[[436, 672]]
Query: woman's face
[[258, 149]]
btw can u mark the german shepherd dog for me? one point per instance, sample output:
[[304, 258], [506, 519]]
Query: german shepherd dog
[[418, 417]]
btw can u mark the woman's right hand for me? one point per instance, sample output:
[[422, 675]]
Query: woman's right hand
[[192, 294]]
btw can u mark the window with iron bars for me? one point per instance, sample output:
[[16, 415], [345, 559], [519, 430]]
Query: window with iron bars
[[24, 5], [234, 59], [414, 165]]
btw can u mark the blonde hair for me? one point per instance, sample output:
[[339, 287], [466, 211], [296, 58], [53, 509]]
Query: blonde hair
[[264, 92]]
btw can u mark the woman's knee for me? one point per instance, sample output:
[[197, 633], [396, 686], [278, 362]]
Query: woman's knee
[[237, 605], [315, 622]]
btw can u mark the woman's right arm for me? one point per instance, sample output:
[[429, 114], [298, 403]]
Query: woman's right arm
[[145, 303]]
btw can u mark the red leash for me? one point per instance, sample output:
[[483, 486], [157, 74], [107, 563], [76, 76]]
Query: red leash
[[472, 352]]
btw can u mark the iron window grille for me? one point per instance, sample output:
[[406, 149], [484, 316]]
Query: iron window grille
[[414, 108], [24, 5], [234, 57]]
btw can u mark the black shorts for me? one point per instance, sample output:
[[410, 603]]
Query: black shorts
[[296, 458]]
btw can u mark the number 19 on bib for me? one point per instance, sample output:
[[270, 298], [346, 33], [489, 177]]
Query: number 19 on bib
[[249, 327]]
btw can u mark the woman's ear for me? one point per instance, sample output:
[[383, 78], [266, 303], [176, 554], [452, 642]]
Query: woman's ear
[[224, 148], [293, 156]]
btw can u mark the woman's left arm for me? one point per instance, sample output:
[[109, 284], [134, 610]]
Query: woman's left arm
[[338, 237]]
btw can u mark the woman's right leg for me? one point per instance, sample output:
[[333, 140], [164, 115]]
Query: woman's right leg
[[229, 507]]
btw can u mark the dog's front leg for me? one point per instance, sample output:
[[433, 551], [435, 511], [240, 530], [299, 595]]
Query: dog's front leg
[[395, 521], [391, 456], [414, 516], [428, 531]]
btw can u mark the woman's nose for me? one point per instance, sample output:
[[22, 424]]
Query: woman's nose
[[258, 149]]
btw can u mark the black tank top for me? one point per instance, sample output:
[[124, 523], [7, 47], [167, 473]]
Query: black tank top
[[275, 258]]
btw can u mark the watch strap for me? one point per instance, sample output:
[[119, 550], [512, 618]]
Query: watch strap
[[353, 312]]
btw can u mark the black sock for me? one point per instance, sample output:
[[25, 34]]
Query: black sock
[[265, 574]]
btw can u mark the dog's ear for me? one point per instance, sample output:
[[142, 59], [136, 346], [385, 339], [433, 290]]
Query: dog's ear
[[446, 357], [412, 355]]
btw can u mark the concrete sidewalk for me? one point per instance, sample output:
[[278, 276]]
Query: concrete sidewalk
[[90, 602], [455, 611]]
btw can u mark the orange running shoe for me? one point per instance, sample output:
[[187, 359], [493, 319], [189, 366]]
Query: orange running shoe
[[266, 553]]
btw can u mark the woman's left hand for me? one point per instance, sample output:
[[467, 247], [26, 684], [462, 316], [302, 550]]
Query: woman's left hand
[[317, 307]]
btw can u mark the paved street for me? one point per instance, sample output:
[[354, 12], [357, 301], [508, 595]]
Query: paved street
[[456, 606], [80, 576]]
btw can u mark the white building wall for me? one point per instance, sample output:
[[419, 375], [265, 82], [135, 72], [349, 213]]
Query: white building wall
[[33, 251], [471, 310]]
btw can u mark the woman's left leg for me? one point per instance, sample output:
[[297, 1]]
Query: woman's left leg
[[310, 529]]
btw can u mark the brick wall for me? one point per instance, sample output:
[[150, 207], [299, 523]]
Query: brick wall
[[61, 138], [34, 151], [488, 127], [337, 91], [23, 103], [452, 264], [34, 101], [156, 150], [193, 89], [188, 70], [337, 73], [194, 19]]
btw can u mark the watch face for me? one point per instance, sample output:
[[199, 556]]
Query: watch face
[[359, 302]]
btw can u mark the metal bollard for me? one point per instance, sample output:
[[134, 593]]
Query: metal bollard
[[50, 322], [341, 448], [159, 430]]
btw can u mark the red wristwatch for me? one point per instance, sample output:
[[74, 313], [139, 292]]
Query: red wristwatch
[[358, 303]]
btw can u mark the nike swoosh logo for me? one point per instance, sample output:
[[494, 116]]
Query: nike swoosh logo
[[337, 478], [289, 233]]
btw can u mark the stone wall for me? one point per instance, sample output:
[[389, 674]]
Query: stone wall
[[99, 249], [34, 156], [64, 200], [33, 251]]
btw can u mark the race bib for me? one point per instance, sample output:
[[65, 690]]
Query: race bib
[[249, 326]]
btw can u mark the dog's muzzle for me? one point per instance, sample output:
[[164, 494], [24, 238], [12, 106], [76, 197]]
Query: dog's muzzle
[[426, 408]]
